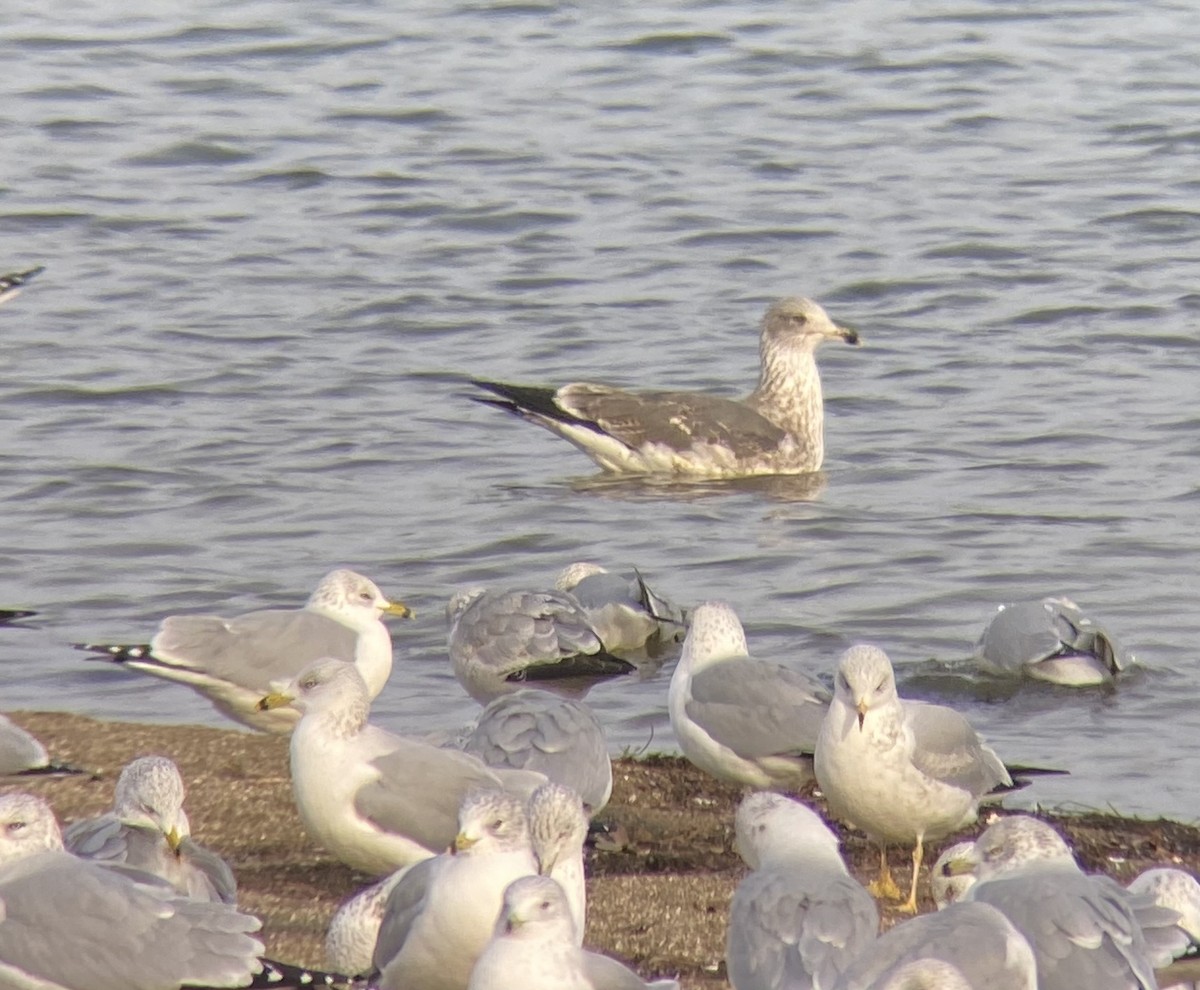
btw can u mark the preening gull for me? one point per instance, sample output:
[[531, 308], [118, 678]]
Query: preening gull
[[538, 730], [778, 429], [22, 755], [557, 830], [742, 720], [901, 771], [947, 885], [375, 800], [147, 829], [800, 918], [440, 914], [12, 283], [625, 611], [1050, 640], [234, 662], [535, 947], [502, 641]]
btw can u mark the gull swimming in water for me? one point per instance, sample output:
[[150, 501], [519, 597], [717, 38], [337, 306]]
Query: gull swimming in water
[[234, 662], [743, 720], [12, 283], [779, 428], [624, 610]]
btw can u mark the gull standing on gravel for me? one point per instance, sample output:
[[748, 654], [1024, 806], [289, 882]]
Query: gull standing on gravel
[[147, 829], [375, 800], [1050, 640], [22, 755], [535, 947], [538, 730], [901, 771], [623, 609], [740, 719], [440, 914], [800, 918], [234, 662], [779, 428], [502, 641]]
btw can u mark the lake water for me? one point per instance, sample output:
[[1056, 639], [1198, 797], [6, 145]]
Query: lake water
[[280, 235]]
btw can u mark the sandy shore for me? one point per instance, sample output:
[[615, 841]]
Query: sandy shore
[[660, 902]]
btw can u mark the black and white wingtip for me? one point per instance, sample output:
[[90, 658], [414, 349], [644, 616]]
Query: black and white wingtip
[[8, 615], [116, 652], [288, 977], [57, 770], [14, 282]]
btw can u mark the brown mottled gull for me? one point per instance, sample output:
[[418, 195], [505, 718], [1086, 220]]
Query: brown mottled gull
[[778, 429]]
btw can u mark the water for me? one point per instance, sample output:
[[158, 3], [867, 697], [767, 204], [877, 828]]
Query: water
[[279, 236]]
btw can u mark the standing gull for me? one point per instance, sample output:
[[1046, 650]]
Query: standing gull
[[742, 720], [901, 771], [375, 800], [626, 612], [234, 662], [778, 429], [22, 755], [800, 918], [502, 641], [557, 831]]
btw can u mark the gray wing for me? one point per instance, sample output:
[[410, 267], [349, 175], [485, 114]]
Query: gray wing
[[535, 730], [606, 973], [19, 751], [1019, 634], [626, 613], [72, 923], [949, 750], [785, 931], [1081, 928], [678, 420], [254, 649], [976, 938], [758, 709], [207, 876], [403, 906]]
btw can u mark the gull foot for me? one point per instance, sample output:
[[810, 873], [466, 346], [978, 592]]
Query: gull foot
[[884, 888]]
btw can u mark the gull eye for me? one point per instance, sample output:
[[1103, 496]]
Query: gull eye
[[497, 825], [17, 827], [882, 683], [799, 319]]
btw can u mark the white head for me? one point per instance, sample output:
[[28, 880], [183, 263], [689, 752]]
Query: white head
[[27, 827], [926, 974], [770, 829], [149, 794], [1173, 889], [557, 825], [1013, 844], [714, 633], [948, 887], [491, 822], [799, 322], [572, 574], [865, 680], [536, 908], [329, 686], [353, 599]]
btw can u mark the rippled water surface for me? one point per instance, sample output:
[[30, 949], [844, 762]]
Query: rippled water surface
[[278, 237]]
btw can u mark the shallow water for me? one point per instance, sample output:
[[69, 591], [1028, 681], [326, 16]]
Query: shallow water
[[279, 237]]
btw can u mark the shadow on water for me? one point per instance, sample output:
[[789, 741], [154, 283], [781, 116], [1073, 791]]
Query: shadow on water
[[782, 488]]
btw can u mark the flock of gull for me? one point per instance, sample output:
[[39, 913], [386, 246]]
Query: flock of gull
[[475, 839]]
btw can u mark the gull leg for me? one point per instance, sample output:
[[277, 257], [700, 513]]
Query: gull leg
[[885, 886], [918, 854]]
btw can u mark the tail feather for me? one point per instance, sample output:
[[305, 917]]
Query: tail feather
[[526, 400]]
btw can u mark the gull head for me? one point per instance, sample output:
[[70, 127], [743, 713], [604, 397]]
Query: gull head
[[949, 886], [714, 633], [557, 824], [926, 974], [1174, 889], [459, 602], [535, 907], [572, 574], [325, 684], [349, 597], [1011, 845], [149, 794], [491, 822], [799, 321], [771, 828], [865, 680], [27, 827]]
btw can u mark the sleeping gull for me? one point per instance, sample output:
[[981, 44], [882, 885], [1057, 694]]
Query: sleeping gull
[[1085, 931], [1050, 640], [557, 831], [901, 771], [535, 947], [975, 939], [234, 662], [799, 918], [375, 800], [148, 830], [925, 974], [946, 885], [502, 641], [14, 282], [440, 914], [740, 719], [22, 755], [623, 609], [778, 429], [538, 730]]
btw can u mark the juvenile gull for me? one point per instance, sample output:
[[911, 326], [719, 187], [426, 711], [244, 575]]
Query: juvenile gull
[[440, 914], [557, 830], [538, 730], [975, 939], [502, 641], [354, 928], [1050, 640], [742, 720], [778, 429], [534, 947], [22, 755], [626, 612], [901, 771], [234, 662], [800, 918], [375, 800], [147, 829], [12, 283]]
